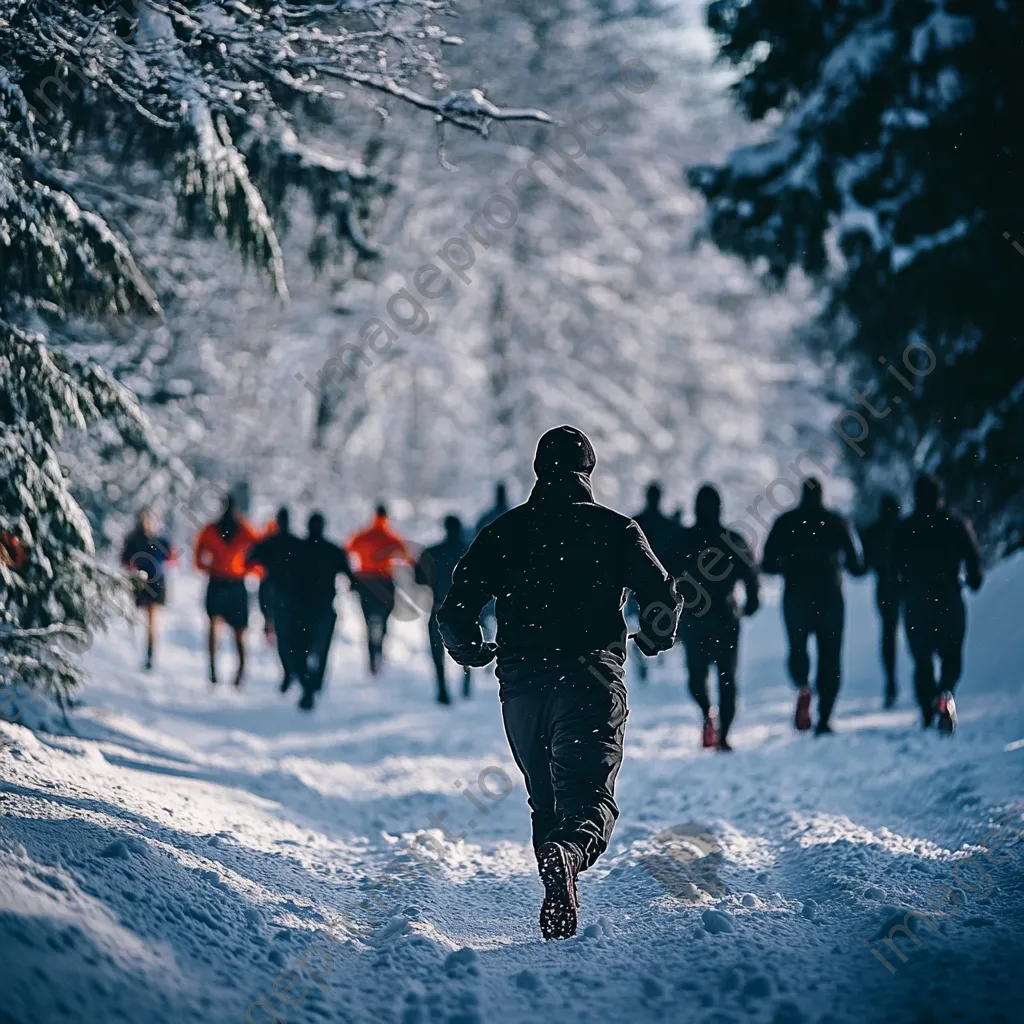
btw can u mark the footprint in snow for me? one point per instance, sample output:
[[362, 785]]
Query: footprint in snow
[[717, 922]]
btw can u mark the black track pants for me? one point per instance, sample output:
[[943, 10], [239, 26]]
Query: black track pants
[[710, 642], [821, 612], [568, 744], [936, 626]]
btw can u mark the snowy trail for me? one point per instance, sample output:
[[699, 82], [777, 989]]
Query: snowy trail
[[187, 851]]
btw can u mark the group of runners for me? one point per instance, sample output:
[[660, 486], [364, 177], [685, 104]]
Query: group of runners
[[557, 568], [298, 579], [541, 589], [920, 564]]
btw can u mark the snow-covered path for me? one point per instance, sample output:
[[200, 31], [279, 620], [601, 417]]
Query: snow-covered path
[[215, 856]]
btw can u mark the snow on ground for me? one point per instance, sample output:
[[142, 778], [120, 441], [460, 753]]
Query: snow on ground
[[197, 854]]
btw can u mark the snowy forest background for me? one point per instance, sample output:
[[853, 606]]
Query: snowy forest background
[[196, 219]]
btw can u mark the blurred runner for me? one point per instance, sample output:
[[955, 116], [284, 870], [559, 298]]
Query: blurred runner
[[929, 550], [376, 551], [877, 543], [434, 569], [277, 554], [146, 552], [499, 508], [320, 562], [810, 546], [718, 558], [221, 550], [663, 534], [264, 593]]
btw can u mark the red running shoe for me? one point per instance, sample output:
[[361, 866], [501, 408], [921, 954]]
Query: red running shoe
[[559, 913], [802, 720], [945, 708], [709, 734]]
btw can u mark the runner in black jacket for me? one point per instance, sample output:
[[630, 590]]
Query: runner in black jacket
[[711, 636], [929, 549], [877, 542], [320, 563], [434, 569], [558, 568], [810, 546], [277, 554]]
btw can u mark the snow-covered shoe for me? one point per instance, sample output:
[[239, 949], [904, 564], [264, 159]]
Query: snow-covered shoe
[[945, 708], [823, 729], [709, 734], [802, 718], [724, 745], [559, 913], [307, 700]]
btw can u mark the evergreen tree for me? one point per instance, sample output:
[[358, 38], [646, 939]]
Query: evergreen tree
[[220, 99], [892, 175]]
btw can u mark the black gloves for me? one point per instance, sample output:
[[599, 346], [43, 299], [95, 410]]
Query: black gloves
[[474, 655]]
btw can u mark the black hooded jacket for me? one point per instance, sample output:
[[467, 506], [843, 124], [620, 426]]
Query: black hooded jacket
[[810, 546], [557, 568]]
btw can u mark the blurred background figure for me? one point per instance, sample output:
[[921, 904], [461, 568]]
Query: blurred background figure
[[147, 553], [930, 548], [12, 552], [662, 533], [264, 598], [221, 551], [320, 563], [377, 551], [434, 569], [713, 637], [810, 546], [876, 540], [499, 508], [277, 555]]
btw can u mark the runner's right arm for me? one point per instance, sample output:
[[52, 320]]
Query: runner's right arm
[[458, 618]]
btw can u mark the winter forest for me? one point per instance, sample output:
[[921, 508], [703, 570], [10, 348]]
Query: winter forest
[[334, 256]]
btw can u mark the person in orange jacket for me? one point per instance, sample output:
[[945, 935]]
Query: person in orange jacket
[[220, 552], [375, 552]]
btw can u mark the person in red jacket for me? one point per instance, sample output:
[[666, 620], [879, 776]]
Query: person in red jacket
[[220, 552], [375, 552]]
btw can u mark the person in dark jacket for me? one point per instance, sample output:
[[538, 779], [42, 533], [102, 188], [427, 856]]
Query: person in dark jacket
[[810, 546], [876, 540], [434, 569], [558, 568], [320, 563], [662, 533], [930, 548], [277, 554], [499, 508], [717, 558], [148, 553]]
